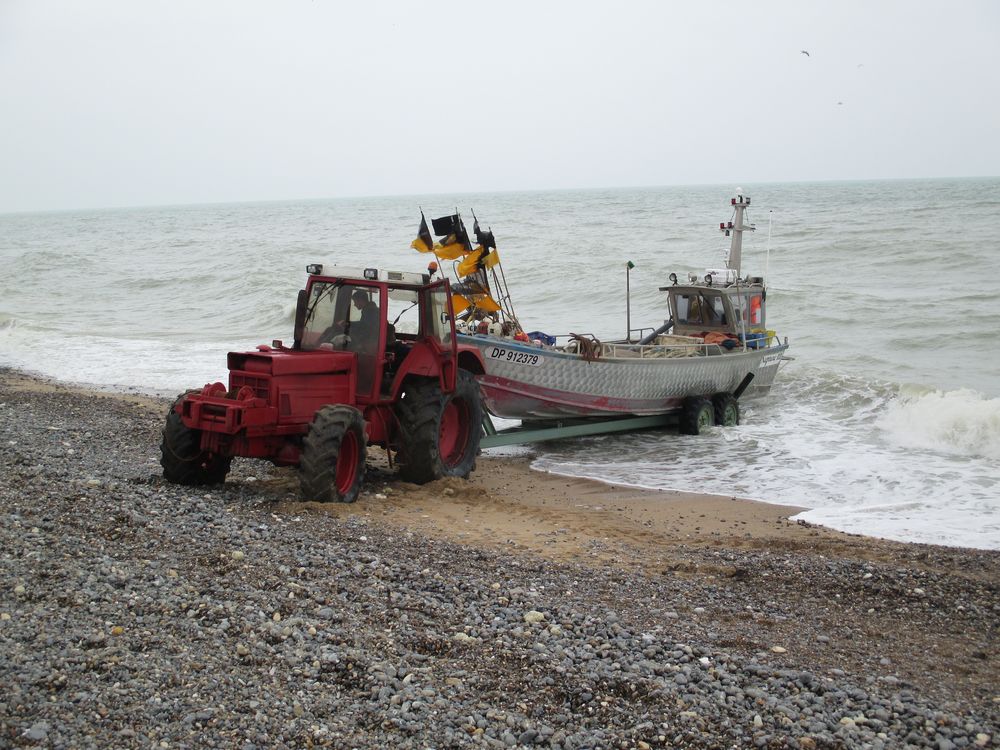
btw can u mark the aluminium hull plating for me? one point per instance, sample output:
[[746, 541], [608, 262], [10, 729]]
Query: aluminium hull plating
[[527, 382]]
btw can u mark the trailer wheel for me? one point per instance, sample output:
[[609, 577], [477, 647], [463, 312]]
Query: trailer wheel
[[697, 415], [181, 456], [439, 432], [727, 409], [332, 462]]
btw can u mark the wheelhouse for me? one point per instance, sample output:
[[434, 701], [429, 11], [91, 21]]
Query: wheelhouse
[[738, 309]]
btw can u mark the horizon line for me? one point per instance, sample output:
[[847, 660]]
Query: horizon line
[[379, 196]]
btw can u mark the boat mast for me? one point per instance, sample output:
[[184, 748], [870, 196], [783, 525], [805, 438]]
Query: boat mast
[[736, 227]]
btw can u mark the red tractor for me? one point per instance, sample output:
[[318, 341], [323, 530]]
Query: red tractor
[[349, 380]]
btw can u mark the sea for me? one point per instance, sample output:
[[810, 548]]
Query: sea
[[885, 422]]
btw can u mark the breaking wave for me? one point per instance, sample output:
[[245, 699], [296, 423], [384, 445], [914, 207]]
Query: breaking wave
[[961, 423]]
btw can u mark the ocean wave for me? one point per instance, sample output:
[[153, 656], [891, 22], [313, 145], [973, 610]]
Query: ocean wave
[[960, 423]]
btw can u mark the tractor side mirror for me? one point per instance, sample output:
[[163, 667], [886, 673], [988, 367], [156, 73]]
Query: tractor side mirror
[[301, 308]]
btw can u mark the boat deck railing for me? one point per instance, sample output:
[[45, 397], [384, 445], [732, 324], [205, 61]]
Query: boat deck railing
[[664, 346]]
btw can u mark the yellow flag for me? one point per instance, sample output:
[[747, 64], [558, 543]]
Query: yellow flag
[[459, 303], [486, 302], [424, 242], [491, 260], [451, 251], [469, 264]]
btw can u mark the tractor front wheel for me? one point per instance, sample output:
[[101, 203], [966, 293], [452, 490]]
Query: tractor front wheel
[[181, 456], [332, 463], [439, 432]]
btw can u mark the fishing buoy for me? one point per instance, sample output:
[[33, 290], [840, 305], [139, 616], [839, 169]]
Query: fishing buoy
[[521, 336]]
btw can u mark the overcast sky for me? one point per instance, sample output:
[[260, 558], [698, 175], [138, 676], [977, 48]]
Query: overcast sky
[[116, 103]]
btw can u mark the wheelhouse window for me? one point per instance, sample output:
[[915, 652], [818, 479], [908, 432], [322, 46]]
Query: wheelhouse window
[[750, 308], [697, 309]]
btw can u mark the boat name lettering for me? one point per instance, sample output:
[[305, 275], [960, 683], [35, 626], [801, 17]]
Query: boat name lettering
[[770, 360], [514, 356]]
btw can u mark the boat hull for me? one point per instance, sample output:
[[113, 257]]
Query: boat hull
[[527, 382]]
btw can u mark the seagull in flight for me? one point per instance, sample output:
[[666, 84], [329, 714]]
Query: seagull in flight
[[806, 53]]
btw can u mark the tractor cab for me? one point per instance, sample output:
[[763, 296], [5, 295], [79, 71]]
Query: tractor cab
[[379, 316]]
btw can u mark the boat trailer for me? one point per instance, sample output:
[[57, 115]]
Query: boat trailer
[[537, 432], [569, 428]]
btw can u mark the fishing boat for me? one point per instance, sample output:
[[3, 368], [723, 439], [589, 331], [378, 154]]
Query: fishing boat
[[713, 348]]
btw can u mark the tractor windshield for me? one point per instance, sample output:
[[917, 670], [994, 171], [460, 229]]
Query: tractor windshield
[[321, 313], [342, 316]]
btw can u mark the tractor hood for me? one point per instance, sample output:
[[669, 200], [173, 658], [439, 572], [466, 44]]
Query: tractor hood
[[295, 382], [279, 362]]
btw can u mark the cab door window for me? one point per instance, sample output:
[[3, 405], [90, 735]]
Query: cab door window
[[438, 324]]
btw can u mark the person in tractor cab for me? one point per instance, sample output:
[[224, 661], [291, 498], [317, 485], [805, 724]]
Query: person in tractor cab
[[361, 332], [365, 329], [363, 337]]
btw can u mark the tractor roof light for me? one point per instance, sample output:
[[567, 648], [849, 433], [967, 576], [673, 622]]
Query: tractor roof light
[[314, 269], [371, 274]]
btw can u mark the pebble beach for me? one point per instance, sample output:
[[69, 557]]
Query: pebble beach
[[135, 613]]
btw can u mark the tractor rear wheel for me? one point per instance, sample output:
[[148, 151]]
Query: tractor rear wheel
[[332, 463], [727, 409], [181, 456], [439, 432], [697, 415]]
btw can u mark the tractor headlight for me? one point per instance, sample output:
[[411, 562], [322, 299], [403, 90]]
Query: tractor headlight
[[314, 269], [371, 274]]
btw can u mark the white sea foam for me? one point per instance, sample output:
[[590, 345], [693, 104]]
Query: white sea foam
[[815, 442], [961, 422], [146, 365]]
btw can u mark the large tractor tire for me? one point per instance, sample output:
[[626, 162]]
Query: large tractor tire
[[332, 463], [727, 409], [181, 456], [439, 433], [697, 415]]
